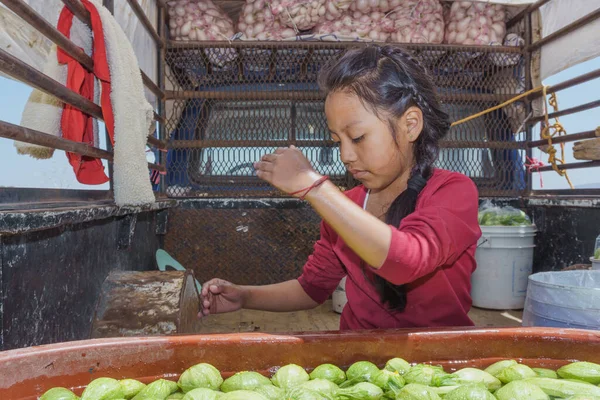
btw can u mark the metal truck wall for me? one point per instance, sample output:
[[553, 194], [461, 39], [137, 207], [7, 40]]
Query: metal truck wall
[[51, 279], [263, 241], [567, 231], [246, 241]]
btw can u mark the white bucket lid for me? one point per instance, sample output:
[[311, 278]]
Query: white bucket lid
[[500, 230]]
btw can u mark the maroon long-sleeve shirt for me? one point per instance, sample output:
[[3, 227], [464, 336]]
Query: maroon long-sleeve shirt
[[432, 252]]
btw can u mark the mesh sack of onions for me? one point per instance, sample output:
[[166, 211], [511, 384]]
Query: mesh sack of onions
[[354, 25], [300, 15], [256, 22], [335, 9], [475, 23], [417, 21], [369, 6], [191, 20]]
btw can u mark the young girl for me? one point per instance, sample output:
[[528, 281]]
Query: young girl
[[406, 237]]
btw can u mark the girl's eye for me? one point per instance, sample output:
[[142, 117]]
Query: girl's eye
[[358, 139]]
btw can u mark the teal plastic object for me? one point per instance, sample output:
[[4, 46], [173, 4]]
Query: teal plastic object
[[164, 260]]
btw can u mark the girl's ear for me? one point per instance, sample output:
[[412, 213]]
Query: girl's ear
[[413, 123]]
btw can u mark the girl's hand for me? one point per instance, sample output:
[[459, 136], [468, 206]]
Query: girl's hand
[[287, 169], [220, 296]]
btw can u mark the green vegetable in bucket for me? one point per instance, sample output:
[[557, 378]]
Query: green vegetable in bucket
[[245, 380], [103, 389], [202, 394], [131, 387], [545, 373], [360, 371], [585, 371], [515, 373], [416, 391], [242, 395], [59, 393], [499, 366], [289, 376], [398, 365], [425, 374], [520, 389], [176, 396], [360, 391], [322, 386], [200, 376], [563, 388], [157, 390], [388, 381], [491, 215], [299, 393], [330, 372], [271, 392], [473, 391], [466, 376]]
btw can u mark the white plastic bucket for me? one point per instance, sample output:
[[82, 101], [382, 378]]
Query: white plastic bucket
[[563, 299], [504, 262], [595, 264]]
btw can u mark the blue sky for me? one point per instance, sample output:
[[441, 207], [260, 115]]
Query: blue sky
[[24, 171]]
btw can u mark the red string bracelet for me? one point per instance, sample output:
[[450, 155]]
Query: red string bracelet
[[311, 187]]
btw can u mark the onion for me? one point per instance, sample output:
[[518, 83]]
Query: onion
[[198, 20], [417, 21], [475, 23], [256, 22]]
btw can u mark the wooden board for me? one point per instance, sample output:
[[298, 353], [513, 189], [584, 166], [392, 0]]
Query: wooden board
[[587, 150], [322, 318], [147, 303]]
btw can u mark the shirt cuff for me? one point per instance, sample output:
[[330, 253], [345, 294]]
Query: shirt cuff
[[392, 269]]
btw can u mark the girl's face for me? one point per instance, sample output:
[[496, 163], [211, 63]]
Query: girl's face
[[368, 148]]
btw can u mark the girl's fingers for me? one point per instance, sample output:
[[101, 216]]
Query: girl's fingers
[[264, 166], [264, 175], [269, 157]]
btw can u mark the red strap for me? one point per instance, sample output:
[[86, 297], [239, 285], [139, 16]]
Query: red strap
[[311, 187], [75, 124]]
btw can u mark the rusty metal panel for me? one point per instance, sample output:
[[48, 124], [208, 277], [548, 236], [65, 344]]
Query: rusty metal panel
[[243, 241]]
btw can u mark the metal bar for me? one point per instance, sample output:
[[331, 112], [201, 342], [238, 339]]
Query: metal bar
[[79, 10], [528, 86], [309, 95], [564, 193], [448, 144], [566, 138], [579, 165], [34, 19], [22, 134], [565, 30], [567, 111], [25, 73], [568, 83], [156, 143], [194, 45], [528, 10], [152, 86], [161, 29], [139, 12]]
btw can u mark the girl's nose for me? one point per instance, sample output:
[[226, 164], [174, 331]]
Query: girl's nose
[[347, 154]]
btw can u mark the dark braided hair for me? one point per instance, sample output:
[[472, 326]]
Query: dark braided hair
[[388, 81]]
